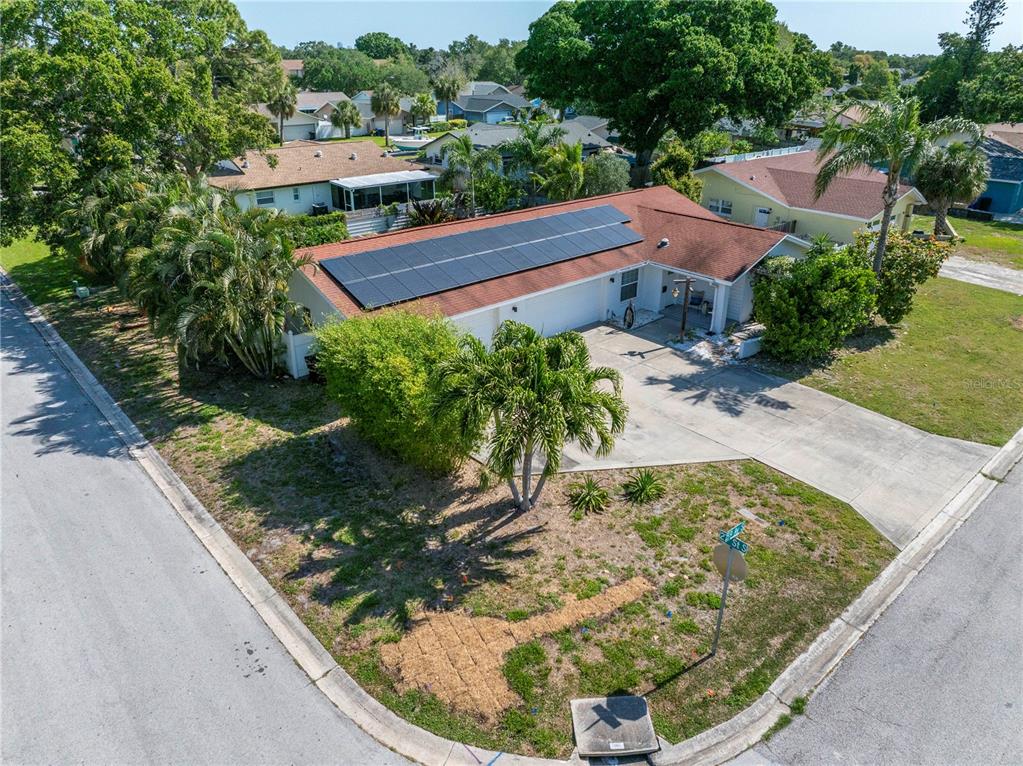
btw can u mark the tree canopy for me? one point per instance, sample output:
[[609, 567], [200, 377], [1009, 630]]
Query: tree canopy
[[380, 45], [677, 64], [119, 83]]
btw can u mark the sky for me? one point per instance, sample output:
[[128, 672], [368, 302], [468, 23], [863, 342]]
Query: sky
[[896, 26]]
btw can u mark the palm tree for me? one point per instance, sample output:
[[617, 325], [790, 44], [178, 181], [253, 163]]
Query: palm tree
[[423, 106], [956, 173], [531, 395], [449, 82], [215, 280], [281, 104], [464, 157], [529, 151], [387, 102], [562, 173], [890, 134], [346, 115]]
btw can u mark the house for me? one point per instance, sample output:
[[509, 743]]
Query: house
[[1002, 143], [299, 127], [809, 124], [554, 267], [376, 123], [311, 101], [777, 191], [597, 125], [308, 177], [486, 136], [293, 68], [484, 101]]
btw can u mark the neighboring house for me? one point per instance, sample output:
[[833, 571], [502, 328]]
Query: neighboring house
[[486, 136], [309, 177], [484, 101], [311, 101], [778, 192], [1003, 145], [375, 123], [1004, 192], [293, 67], [587, 266], [598, 125], [809, 124], [299, 127]]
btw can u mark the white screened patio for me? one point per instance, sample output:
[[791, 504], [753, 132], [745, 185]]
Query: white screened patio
[[371, 191]]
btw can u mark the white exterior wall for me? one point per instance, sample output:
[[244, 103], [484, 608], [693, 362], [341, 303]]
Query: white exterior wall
[[302, 291], [327, 130], [284, 198], [481, 324], [740, 299]]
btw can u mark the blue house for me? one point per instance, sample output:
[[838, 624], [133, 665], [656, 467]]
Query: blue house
[[1004, 192]]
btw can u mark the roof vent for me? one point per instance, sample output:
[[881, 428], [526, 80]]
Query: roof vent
[[245, 163], [663, 243], [318, 153], [753, 178], [353, 156]]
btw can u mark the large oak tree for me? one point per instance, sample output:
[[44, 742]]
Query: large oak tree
[[679, 64]]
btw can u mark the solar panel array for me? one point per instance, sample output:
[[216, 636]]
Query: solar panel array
[[404, 272]]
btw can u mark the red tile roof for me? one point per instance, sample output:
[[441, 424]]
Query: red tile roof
[[699, 242], [789, 179]]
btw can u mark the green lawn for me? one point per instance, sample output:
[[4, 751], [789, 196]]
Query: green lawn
[[990, 241], [953, 367], [359, 543], [43, 279]]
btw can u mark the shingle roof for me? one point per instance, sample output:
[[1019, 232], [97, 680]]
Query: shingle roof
[[1006, 161], [789, 179], [1010, 133], [699, 242], [486, 103], [297, 164], [298, 118], [480, 88], [292, 65], [314, 99]]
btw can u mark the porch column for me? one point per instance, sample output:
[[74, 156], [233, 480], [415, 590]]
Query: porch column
[[717, 319]]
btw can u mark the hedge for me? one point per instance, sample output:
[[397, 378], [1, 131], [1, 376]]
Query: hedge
[[378, 367]]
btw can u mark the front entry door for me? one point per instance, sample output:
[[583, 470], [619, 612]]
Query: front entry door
[[762, 217]]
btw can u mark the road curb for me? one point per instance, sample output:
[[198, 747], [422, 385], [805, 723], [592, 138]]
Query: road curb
[[710, 747]]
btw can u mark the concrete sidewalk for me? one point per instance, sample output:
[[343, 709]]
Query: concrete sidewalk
[[683, 410]]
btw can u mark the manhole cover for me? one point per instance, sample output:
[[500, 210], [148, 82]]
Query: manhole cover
[[613, 726]]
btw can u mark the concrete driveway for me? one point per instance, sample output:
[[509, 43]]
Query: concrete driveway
[[686, 410], [984, 274]]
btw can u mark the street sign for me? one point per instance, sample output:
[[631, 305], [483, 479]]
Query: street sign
[[720, 558], [738, 545], [733, 532]]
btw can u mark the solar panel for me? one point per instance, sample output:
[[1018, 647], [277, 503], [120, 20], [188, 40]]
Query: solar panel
[[403, 272]]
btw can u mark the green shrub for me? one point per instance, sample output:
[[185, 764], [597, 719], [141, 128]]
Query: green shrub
[[809, 306], [457, 123], [703, 600], [379, 368], [643, 487], [908, 263], [587, 496], [686, 626], [311, 230]]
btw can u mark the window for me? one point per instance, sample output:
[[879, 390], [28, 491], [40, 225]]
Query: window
[[294, 194], [630, 285], [720, 206], [265, 197]]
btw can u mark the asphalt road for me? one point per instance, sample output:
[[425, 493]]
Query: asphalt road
[[122, 641], [939, 678]]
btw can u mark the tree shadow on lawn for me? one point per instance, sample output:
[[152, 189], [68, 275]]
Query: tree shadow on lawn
[[379, 539], [143, 375]]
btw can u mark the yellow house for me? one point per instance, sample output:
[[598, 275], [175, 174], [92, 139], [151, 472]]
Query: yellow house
[[777, 192]]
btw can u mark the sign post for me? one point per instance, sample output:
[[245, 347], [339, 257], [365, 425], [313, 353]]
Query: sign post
[[730, 550]]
